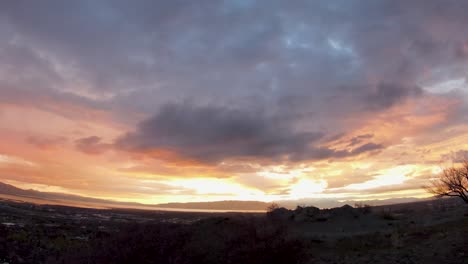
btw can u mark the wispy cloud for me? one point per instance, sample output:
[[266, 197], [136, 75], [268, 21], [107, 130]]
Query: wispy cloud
[[11, 160]]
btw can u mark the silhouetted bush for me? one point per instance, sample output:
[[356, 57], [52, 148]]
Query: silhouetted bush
[[388, 216], [213, 240], [363, 208]]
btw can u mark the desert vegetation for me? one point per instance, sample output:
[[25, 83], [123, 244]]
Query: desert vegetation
[[427, 232]]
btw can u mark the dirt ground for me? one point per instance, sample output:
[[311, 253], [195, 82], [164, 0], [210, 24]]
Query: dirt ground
[[426, 232]]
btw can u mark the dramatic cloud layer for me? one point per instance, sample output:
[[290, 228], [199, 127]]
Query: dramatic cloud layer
[[214, 134], [261, 97]]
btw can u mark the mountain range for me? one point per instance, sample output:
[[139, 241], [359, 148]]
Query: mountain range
[[230, 205]]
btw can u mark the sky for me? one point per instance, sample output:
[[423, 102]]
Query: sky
[[178, 101]]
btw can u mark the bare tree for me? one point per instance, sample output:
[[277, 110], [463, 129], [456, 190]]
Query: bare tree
[[271, 207], [451, 182]]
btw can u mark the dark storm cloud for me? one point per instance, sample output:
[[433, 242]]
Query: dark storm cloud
[[388, 94], [310, 46], [211, 134], [307, 65]]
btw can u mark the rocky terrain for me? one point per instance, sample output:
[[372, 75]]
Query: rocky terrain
[[425, 232]]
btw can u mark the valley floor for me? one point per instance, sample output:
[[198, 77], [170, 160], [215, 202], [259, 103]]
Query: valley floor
[[426, 232]]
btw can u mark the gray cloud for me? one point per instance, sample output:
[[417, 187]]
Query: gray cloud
[[388, 94], [367, 147], [140, 46], [306, 65], [212, 134]]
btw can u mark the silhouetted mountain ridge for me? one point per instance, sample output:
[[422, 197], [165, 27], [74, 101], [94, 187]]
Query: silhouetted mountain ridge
[[15, 191], [230, 205], [219, 205]]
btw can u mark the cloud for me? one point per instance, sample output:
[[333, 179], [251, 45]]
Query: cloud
[[388, 94], [12, 160], [212, 134], [166, 51], [367, 147], [46, 143], [269, 81], [457, 156], [91, 145], [358, 139]]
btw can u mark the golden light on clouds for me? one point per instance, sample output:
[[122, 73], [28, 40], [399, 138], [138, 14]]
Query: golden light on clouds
[[386, 177], [6, 160], [265, 182]]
